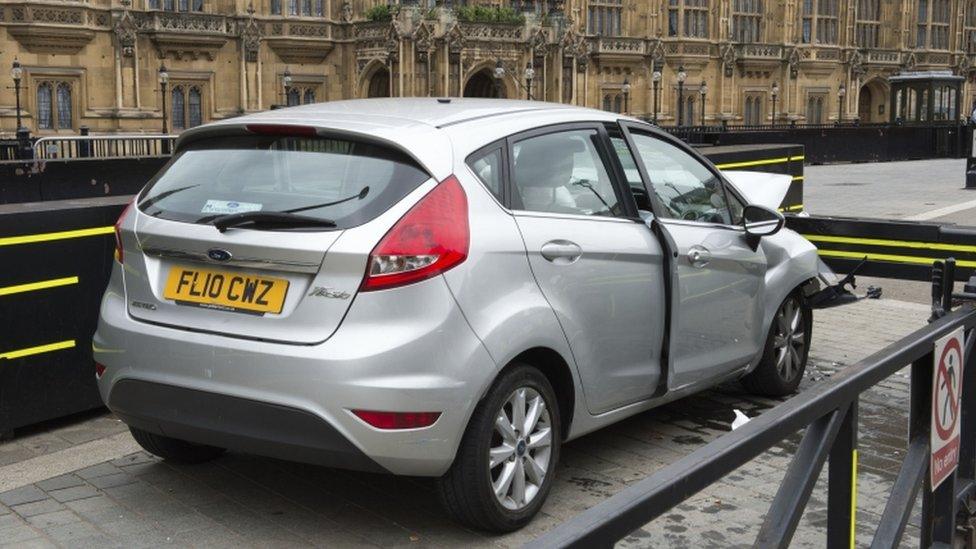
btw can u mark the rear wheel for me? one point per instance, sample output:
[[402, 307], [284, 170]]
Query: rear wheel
[[505, 465], [784, 358], [174, 449]]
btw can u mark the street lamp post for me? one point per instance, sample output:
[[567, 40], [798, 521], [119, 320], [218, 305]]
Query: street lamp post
[[16, 72], [682, 75], [626, 89], [775, 93], [703, 89], [163, 81], [841, 92], [529, 75], [286, 84], [656, 78]]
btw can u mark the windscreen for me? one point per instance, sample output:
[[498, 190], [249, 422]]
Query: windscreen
[[348, 182]]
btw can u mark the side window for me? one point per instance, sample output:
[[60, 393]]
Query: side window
[[685, 187], [631, 172], [488, 167], [563, 173]]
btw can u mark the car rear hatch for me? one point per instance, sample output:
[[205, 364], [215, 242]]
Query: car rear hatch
[[261, 234]]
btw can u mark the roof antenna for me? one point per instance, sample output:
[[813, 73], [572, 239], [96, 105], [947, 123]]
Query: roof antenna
[[443, 100]]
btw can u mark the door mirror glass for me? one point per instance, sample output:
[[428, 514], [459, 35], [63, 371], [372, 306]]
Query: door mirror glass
[[760, 221]]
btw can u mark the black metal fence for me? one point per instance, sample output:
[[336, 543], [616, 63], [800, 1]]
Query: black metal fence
[[829, 414], [826, 143]]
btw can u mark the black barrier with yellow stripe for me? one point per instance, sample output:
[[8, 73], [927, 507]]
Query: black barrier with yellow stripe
[[894, 249], [781, 159], [56, 259]]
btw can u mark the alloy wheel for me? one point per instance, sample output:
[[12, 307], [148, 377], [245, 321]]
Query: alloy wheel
[[520, 449], [789, 341]]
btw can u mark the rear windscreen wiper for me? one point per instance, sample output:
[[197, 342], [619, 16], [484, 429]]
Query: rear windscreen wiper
[[360, 195], [269, 219]]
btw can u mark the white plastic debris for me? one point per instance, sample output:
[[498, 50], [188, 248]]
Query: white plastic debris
[[740, 419]]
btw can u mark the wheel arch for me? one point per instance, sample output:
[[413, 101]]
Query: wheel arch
[[560, 376]]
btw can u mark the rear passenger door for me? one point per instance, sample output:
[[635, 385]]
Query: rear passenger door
[[719, 279], [599, 267]]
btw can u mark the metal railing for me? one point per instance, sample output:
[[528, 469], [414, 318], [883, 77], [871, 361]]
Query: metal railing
[[828, 411], [103, 146]]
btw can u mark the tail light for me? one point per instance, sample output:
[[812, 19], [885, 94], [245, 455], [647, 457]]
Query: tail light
[[118, 231], [99, 370], [429, 239], [397, 420]]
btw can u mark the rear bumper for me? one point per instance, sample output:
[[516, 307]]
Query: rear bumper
[[241, 424], [403, 350]]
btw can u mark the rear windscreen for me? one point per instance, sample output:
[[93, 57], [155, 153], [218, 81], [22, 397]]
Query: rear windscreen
[[349, 182]]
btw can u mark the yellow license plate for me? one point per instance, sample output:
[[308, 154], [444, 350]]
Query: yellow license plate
[[226, 290]]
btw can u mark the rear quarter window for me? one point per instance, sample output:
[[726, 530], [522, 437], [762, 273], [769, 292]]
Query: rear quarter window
[[349, 182]]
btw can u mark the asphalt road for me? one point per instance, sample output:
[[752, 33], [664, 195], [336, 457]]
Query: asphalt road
[[920, 190]]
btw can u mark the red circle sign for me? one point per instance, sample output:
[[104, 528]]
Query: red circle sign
[[948, 380]]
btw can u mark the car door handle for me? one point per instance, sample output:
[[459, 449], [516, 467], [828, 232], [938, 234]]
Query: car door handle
[[561, 252], [699, 256]]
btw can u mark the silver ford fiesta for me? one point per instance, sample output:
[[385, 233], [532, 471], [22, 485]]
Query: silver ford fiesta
[[441, 287]]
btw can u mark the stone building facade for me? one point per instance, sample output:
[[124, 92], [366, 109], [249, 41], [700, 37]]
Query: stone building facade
[[95, 63]]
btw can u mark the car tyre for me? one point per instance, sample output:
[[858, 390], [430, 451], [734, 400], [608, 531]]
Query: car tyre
[[787, 347], [488, 457], [174, 449]]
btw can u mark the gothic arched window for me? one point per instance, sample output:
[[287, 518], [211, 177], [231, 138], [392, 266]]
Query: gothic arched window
[[64, 105], [179, 108], [45, 106], [194, 107]]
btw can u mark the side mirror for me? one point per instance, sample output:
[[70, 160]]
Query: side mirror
[[760, 221]]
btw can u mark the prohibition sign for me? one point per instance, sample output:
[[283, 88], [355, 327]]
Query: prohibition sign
[[946, 390]]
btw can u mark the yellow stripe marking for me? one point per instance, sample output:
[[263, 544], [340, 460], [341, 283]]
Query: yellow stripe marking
[[792, 208], [42, 285], [890, 258], [797, 178], [853, 497], [892, 243], [61, 235], [764, 162], [20, 353], [753, 163]]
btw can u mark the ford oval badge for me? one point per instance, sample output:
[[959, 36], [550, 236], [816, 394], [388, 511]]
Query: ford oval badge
[[217, 254]]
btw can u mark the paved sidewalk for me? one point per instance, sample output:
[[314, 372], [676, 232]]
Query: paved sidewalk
[[244, 501]]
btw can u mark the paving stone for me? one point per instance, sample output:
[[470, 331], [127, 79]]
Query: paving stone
[[111, 481], [14, 530], [14, 453], [34, 543], [25, 494], [57, 518], [68, 533], [133, 459], [63, 481], [98, 541], [100, 470], [73, 493], [99, 509], [37, 507]]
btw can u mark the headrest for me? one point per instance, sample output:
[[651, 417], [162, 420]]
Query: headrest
[[546, 161]]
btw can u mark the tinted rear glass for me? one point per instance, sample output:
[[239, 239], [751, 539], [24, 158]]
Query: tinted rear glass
[[307, 175]]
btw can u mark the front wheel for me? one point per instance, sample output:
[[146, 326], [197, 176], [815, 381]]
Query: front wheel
[[787, 347], [505, 465]]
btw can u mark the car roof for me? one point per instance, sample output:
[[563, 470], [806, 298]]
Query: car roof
[[432, 111], [414, 124]]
